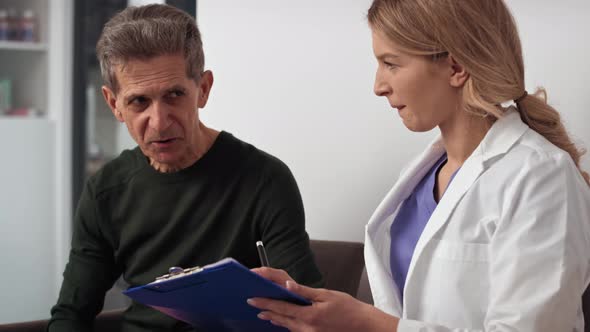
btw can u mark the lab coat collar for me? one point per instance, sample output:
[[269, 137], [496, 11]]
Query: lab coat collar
[[502, 136]]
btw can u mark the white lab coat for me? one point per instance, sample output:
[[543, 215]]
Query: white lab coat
[[506, 249]]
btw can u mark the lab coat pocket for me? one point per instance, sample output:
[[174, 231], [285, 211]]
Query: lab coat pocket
[[464, 280]]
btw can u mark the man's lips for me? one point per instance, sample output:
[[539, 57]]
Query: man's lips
[[399, 107], [164, 142]]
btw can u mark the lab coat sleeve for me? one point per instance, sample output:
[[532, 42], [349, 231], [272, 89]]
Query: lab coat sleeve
[[539, 264]]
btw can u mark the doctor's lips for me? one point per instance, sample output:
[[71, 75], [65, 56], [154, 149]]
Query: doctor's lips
[[398, 107]]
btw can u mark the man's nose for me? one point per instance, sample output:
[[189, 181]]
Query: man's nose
[[159, 117]]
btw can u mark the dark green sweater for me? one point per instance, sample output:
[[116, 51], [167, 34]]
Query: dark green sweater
[[135, 221]]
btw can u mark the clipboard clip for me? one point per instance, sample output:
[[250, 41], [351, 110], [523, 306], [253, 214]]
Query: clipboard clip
[[175, 272]]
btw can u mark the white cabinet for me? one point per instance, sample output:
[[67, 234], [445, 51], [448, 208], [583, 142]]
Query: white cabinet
[[35, 164], [27, 209], [24, 64]]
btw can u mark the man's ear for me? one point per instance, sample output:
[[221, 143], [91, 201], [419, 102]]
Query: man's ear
[[111, 100], [458, 73], [205, 84]]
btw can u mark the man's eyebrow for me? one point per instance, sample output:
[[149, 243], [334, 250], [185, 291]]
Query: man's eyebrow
[[176, 87], [131, 96]]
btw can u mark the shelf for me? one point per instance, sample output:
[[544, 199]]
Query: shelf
[[20, 119], [23, 46]]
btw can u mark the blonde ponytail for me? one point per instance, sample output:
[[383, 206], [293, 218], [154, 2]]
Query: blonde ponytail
[[545, 120]]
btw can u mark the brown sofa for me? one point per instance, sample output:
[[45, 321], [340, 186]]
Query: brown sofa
[[341, 264]]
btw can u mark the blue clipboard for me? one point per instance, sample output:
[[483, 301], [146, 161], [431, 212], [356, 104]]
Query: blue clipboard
[[213, 298]]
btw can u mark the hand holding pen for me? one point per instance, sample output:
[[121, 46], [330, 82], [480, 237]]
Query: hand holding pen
[[262, 254], [280, 277]]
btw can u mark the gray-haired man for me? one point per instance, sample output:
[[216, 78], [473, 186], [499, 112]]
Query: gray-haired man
[[187, 195]]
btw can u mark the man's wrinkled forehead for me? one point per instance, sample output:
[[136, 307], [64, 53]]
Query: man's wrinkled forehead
[[158, 71]]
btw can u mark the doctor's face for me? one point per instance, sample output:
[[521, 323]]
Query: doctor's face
[[418, 87]]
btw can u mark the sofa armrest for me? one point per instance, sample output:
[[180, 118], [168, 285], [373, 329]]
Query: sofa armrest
[[31, 326], [107, 321]]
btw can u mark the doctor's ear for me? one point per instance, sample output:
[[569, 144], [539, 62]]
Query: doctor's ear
[[458, 73]]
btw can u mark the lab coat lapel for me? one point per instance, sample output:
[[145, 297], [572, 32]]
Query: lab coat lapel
[[378, 241], [406, 183], [467, 175]]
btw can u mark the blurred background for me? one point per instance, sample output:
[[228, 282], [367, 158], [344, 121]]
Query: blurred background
[[293, 78]]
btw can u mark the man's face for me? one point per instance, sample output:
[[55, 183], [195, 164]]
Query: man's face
[[159, 104]]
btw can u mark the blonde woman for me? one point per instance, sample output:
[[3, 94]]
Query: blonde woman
[[489, 228]]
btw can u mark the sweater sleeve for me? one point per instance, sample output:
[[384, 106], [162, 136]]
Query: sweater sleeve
[[282, 219], [89, 273]]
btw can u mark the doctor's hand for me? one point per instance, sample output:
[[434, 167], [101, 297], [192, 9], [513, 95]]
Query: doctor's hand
[[330, 311], [277, 276]]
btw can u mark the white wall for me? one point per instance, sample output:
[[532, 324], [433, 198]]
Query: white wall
[[295, 79], [557, 56]]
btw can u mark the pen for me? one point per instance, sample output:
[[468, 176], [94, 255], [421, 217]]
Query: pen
[[262, 254]]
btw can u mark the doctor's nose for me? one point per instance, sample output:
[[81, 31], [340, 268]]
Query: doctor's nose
[[381, 88]]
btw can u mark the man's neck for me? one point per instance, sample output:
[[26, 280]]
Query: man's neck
[[201, 142]]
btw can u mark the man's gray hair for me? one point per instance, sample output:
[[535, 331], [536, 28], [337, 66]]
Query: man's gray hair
[[145, 32]]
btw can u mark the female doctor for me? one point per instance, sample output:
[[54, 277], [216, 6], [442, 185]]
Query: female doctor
[[489, 228]]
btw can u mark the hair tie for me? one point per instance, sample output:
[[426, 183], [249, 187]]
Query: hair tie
[[519, 99]]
